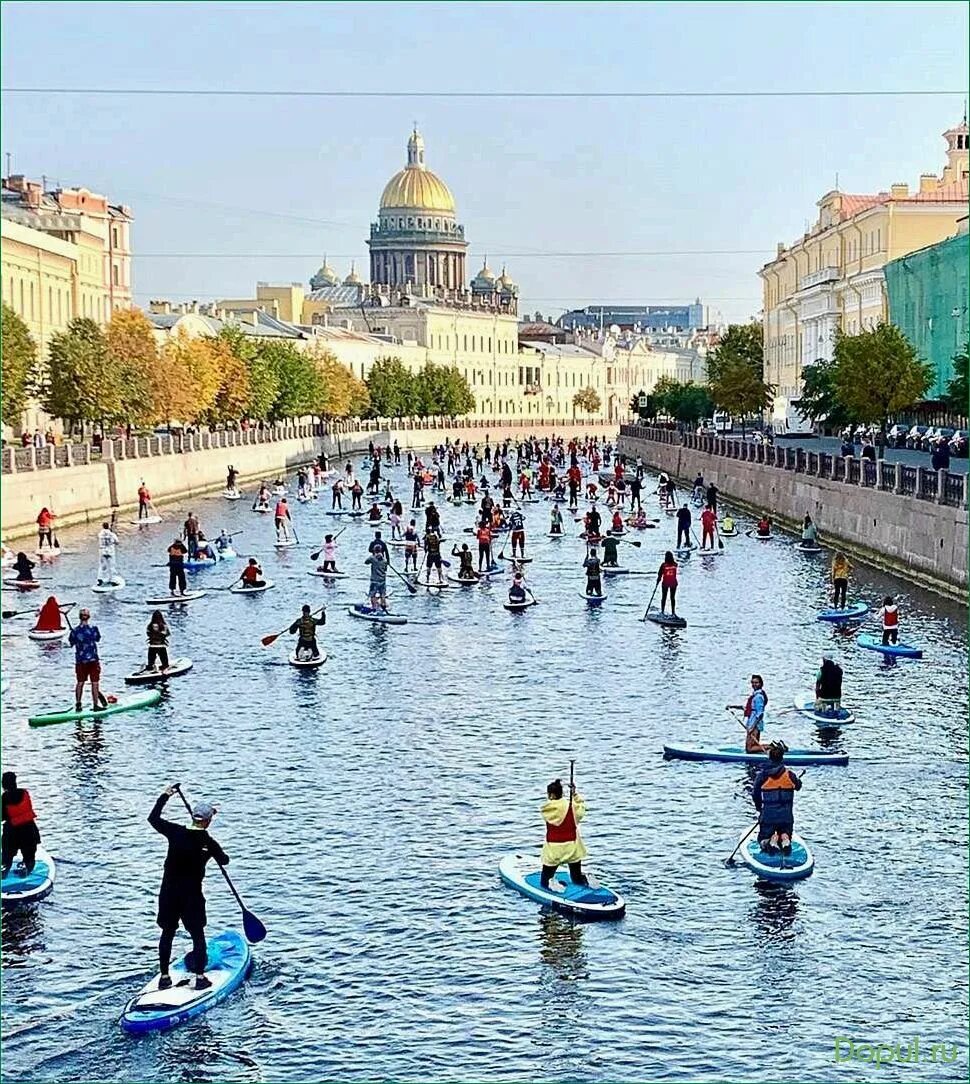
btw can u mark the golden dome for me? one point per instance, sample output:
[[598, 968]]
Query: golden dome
[[415, 187]]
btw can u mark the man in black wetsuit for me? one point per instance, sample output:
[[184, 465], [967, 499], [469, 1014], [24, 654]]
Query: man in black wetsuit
[[180, 897], [683, 526]]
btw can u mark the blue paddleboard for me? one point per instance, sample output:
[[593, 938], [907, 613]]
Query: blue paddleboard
[[778, 867], [19, 887], [900, 651], [522, 872], [852, 612]]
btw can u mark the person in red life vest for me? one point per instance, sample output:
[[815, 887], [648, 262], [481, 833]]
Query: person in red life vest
[[708, 523], [617, 470], [754, 715], [50, 617], [45, 529], [774, 799], [252, 575], [20, 832], [617, 522], [764, 527], [667, 578], [591, 490], [544, 469], [889, 615], [484, 536], [563, 845], [282, 520], [144, 501]]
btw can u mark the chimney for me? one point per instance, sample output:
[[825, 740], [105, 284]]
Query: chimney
[[780, 249], [254, 317], [15, 182], [899, 190], [32, 193], [927, 182]]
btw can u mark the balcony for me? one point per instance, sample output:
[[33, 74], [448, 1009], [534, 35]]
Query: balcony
[[817, 278]]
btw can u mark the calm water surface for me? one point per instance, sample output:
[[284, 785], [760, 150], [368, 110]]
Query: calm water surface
[[366, 806]]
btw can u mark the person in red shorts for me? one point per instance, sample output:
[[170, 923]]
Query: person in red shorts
[[87, 665]]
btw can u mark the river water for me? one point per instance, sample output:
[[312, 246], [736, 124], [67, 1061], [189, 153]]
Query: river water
[[366, 806]]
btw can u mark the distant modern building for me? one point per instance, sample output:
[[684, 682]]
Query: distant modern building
[[681, 318], [928, 291], [832, 278]]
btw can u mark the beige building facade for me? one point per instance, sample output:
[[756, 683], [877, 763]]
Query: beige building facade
[[831, 279]]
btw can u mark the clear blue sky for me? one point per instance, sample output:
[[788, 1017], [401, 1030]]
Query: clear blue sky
[[296, 177]]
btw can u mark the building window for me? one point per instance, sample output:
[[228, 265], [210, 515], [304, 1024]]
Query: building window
[[114, 274], [23, 311], [32, 301], [490, 344], [50, 302], [464, 342]]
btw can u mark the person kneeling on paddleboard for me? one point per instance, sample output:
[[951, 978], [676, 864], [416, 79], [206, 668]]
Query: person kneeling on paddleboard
[[24, 568], [555, 527], [754, 715], [563, 845], [307, 625], [517, 590], [764, 527], [180, 897], [252, 575], [329, 555], [774, 799], [828, 685], [20, 832], [466, 570]]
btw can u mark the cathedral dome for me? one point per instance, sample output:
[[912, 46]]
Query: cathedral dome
[[415, 187], [326, 276], [353, 279]]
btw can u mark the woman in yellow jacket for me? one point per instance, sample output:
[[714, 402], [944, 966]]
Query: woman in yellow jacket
[[563, 845], [840, 579]]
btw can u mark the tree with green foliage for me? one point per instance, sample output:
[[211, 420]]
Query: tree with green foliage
[[299, 383], [588, 400], [819, 402], [19, 366], [689, 402], [80, 383], [735, 372], [878, 373], [392, 389], [957, 393]]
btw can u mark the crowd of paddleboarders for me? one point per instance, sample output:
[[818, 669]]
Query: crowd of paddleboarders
[[586, 490]]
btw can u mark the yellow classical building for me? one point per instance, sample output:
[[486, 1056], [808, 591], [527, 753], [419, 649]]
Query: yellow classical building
[[832, 279]]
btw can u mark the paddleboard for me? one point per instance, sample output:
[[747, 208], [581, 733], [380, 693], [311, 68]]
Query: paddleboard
[[522, 872], [193, 564], [146, 521], [711, 553], [328, 575], [238, 589], [805, 705], [172, 600], [302, 663], [149, 677], [592, 600], [667, 620], [43, 636], [736, 754], [23, 585], [231, 495], [229, 962], [285, 543], [517, 607], [759, 537], [107, 588], [610, 570], [778, 867], [852, 612], [130, 702], [805, 547], [365, 613], [518, 560], [433, 584], [900, 651], [556, 534], [20, 887], [262, 509], [460, 582], [727, 534]]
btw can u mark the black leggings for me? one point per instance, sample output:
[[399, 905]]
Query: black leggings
[[890, 636], [683, 532], [157, 654], [672, 591], [200, 954], [13, 842], [576, 874], [176, 578], [840, 586], [42, 534], [484, 553]]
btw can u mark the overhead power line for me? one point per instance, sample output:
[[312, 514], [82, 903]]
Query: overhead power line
[[490, 253], [205, 92]]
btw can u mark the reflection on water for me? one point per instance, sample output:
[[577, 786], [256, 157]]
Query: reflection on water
[[775, 910], [561, 946]]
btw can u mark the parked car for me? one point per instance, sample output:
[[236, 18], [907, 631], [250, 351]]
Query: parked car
[[958, 442], [914, 438], [935, 435], [896, 435]]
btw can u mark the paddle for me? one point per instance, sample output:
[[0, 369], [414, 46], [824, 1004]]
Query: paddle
[[254, 929], [314, 556], [407, 583], [57, 544], [273, 637], [652, 597], [730, 859], [630, 542]]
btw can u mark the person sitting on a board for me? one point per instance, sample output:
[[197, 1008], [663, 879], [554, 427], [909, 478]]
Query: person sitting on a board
[[84, 639], [617, 524], [378, 581], [20, 832], [639, 520], [667, 578], [611, 550], [262, 497], [774, 799], [754, 715], [683, 527], [764, 526], [727, 525], [594, 583], [466, 569], [24, 568], [555, 526], [563, 842], [517, 589], [282, 520], [889, 615], [177, 553], [708, 523], [203, 550], [158, 634], [180, 897], [828, 685], [809, 531], [50, 618], [252, 575], [329, 549], [223, 541], [306, 626], [841, 568]]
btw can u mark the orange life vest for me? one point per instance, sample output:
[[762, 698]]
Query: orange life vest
[[22, 812]]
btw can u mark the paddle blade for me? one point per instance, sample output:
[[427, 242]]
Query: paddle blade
[[254, 929], [271, 639]]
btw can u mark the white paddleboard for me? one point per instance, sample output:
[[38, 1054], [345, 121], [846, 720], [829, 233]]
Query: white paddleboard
[[302, 663], [107, 588], [171, 600], [238, 589], [149, 677]]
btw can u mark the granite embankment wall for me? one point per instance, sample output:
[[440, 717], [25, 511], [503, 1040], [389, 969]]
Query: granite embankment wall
[[173, 469], [916, 536]]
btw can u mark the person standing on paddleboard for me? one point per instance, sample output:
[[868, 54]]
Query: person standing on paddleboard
[[180, 897], [611, 552], [379, 546], [45, 529], [176, 567], [378, 580], [841, 569], [107, 541], [683, 526], [712, 492], [144, 501], [158, 634], [708, 524], [84, 638], [889, 615], [774, 799], [20, 832], [190, 532], [828, 685], [754, 715], [306, 626], [231, 475], [282, 520], [517, 537], [594, 583], [667, 578], [809, 531], [563, 845]]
